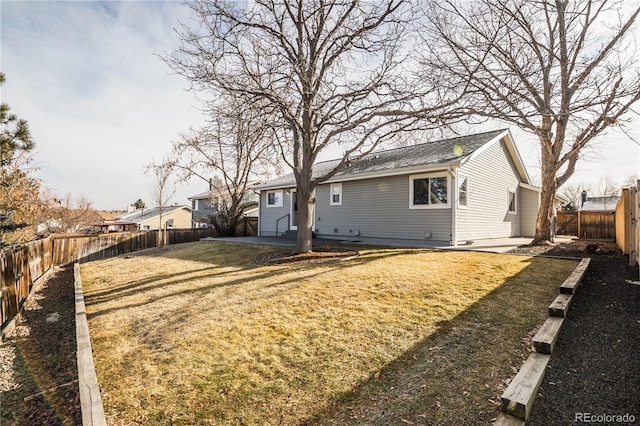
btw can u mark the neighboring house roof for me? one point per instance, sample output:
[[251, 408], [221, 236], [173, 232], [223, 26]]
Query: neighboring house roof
[[600, 203], [430, 155], [143, 215], [217, 192], [109, 215]]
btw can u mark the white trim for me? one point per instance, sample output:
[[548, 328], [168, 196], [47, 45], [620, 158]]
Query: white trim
[[412, 178], [292, 213], [331, 186], [462, 176], [515, 201], [277, 204], [530, 187]]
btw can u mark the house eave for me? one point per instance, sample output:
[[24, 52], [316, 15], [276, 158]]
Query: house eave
[[373, 175], [530, 187]]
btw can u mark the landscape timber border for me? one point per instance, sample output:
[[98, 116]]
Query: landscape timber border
[[517, 400], [90, 399]]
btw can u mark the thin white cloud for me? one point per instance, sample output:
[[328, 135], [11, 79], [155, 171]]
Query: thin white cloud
[[101, 105]]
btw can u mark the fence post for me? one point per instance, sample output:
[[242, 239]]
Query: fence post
[[579, 225]]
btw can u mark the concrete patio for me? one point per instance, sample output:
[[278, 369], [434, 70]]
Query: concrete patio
[[498, 245]]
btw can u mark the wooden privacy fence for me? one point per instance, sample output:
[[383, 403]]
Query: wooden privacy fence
[[20, 268], [590, 225], [70, 249], [627, 223]]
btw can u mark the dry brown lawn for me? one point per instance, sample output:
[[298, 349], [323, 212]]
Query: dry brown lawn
[[199, 333]]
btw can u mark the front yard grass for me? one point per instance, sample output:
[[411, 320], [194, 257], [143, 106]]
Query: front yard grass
[[198, 333]]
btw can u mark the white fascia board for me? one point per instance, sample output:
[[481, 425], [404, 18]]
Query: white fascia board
[[530, 187], [272, 187]]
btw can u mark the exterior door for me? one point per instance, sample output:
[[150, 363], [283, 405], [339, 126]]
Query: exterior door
[[293, 222]]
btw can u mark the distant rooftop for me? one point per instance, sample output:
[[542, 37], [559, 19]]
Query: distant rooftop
[[142, 215], [600, 203]]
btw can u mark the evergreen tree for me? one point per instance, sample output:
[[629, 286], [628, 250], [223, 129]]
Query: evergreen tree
[[19, 191]]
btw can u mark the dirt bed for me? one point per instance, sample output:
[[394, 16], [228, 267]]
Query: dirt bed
[[594, 372], [38, 371]]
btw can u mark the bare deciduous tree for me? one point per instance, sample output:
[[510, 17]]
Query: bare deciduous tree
[[334, 72], [61, 215], [237, 144], [572, 192], [162, 190], [563, 70]]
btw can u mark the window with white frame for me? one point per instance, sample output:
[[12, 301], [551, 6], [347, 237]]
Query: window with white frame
[[335, 190], [463, 191], [428, 191], [274, 198], [512, 202]]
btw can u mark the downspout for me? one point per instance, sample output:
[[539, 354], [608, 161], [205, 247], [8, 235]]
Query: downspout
[[454, 186]]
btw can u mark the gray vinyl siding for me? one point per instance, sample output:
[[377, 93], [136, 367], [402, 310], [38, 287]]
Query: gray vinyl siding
[[269, 215], [529, 211], [491, 175], [378, 208]]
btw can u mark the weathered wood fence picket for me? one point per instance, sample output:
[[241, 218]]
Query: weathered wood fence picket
[[22, 267]]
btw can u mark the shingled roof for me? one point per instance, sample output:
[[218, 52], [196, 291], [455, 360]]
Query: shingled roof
[[442, 152]]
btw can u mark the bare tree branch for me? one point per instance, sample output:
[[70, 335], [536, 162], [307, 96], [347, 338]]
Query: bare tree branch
[[335, 72], [563, 70]]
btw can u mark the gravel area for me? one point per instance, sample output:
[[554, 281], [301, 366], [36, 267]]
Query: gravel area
[[38, 373], [594, 372]]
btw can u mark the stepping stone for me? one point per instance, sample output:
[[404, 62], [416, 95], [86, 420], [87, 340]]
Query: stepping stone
[[518, 399], [545, 339], [560, 306], [570, 285]]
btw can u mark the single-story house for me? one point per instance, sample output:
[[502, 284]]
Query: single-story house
[[205, 204], [149, 218], [450, 192]]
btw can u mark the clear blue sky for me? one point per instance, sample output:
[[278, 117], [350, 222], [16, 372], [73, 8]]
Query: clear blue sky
[[101, 105]]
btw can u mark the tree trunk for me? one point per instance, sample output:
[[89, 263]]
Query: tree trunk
[[304, 198], [547, 198]]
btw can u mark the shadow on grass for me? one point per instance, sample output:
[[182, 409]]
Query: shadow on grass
[[267, 272], [454, 376], [447, 378]]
